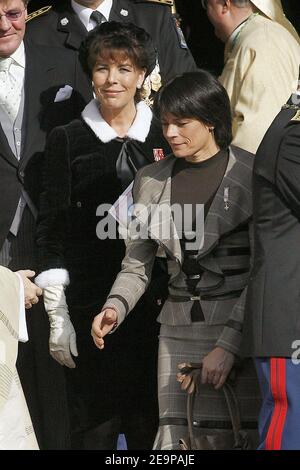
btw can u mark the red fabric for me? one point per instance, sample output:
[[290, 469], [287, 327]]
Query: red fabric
[[278, 389]]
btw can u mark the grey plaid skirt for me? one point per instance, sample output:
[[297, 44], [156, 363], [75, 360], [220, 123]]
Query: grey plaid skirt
[[190, 344]]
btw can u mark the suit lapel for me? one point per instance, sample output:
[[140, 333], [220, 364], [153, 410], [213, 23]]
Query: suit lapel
[[157, 198], [122, 10], [39, 76], [69, 23], [5, 150], [227, 210]]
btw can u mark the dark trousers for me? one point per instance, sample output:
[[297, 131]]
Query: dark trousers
[[139, 430], [279, 419]]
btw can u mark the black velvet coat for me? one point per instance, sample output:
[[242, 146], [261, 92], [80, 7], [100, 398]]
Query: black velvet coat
[[80, 174]]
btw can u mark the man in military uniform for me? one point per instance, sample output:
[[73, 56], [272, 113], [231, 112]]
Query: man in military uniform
[[272, 321], [67, 23]]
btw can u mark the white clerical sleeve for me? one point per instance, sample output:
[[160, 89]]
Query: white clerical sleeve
[[23, 333]]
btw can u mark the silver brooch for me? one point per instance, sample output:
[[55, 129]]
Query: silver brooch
[[226, 198], [64, 21], [124, 12]]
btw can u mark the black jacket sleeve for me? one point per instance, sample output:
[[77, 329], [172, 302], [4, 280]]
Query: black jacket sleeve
[[288, 168], [174, 55], [55, 200]]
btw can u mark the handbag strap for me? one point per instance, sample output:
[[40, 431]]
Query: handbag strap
[[234, 412], [232, 405]]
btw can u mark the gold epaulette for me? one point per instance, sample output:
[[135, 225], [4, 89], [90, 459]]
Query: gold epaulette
[[163, 2], [37, 13], [297, 116], [291, 106]]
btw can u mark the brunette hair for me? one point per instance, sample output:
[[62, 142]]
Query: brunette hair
[[201, 96], [113, 39]]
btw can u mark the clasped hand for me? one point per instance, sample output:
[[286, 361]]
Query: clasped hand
[[216, 367], [31, 291]]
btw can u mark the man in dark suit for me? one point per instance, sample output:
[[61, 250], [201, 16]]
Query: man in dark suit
[[272, 323], [35, 83], [67, 23]]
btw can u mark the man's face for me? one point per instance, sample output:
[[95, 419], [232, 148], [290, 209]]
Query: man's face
[[215, 13], [12, 26]]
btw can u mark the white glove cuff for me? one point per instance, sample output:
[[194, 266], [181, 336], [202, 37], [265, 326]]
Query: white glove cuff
[[54, 298], [53, 277]]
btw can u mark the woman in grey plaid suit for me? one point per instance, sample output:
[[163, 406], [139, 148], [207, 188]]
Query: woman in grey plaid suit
[[196, 206]]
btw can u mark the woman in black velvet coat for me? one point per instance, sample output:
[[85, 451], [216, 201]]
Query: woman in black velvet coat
[[88, 163]]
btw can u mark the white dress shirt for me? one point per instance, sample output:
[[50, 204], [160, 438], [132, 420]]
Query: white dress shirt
[[13, 82], [17, 68], [84, 13]]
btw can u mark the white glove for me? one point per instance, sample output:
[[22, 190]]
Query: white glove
[[62, 341]]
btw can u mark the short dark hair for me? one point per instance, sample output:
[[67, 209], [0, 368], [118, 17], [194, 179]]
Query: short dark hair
[[112, 39], [201, 96]]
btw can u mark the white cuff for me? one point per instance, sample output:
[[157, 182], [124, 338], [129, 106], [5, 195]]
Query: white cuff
[[53, 277]]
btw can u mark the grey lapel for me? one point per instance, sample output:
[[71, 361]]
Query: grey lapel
[[219, 220], [157, 196]]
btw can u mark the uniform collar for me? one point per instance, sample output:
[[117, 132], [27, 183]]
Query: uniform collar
[[84, 13]]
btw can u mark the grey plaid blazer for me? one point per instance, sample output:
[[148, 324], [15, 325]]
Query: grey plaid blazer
[[224, 258]]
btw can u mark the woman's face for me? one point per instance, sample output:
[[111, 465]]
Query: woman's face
[[116, 81], [187, 137]]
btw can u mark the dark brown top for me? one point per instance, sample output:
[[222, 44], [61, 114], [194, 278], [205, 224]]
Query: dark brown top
[[195, 184]]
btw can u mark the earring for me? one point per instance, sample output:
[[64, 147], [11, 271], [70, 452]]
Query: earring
[[211, 129]]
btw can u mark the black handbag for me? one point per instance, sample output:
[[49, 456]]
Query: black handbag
[[199, 438]]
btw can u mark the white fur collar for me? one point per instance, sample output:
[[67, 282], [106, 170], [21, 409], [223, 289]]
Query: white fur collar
[[138, 131]]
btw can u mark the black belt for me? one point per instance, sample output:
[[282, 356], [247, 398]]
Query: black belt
[[235, 272], [234, 251], [187, 298], [209, 424], [226, 272]]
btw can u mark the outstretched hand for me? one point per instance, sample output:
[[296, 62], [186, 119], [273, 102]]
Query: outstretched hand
[[103, 324]]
